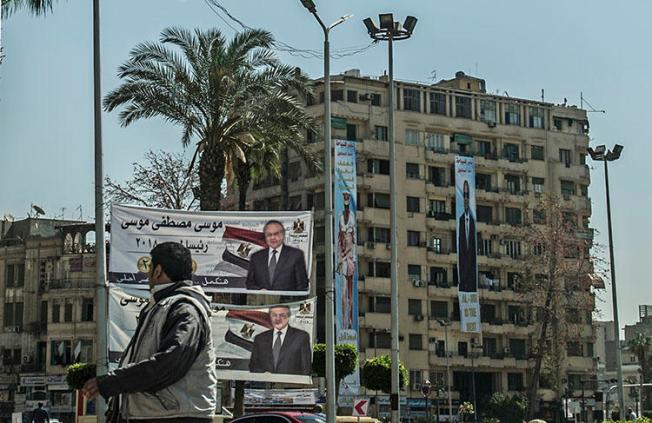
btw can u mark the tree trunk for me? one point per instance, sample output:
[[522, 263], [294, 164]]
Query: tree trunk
[[243, 178], [211, 175], [285, 179]]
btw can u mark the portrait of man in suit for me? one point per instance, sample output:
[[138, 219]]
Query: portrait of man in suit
[[283, 349], [278, 267], [466, 248]]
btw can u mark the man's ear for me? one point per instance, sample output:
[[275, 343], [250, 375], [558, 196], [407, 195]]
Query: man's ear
[[157, 272]]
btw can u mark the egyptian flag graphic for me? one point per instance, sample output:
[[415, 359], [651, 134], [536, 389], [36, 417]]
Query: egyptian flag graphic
[[239, 243], [244, 325]]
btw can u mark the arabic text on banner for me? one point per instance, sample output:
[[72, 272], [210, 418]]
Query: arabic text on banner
[[222, 245], [467, 261], [346, 256]]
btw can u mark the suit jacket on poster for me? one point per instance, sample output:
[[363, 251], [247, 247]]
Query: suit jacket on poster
[[467, 256], [290, 273], [295, 357]]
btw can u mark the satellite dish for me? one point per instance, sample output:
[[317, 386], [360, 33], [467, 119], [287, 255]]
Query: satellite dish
[[38, 210], [8, 217]]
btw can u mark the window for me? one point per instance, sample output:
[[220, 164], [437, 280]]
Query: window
[[378, 166], [435, 244], [381, 133], [411, 99], [463, 349], [9, 315], [351, 132], [375, 99], [439, 309], [489, 345], [412, 171], [411, 137], [513, 249], [351, 96], [437, 176], [486, 247], [414, 307], [567, 188], [15, 275], [513, 216], [512, 114], [487, 111], [60, 353], [434, 141], [414, 271], [483, 181], [537, 152], [514, 381], [510, 152], [87, 310], [56, 312], [538, 216], [574, 349], [378, 200], [415, 378], [67, 312], [438, 277], [584, 190], [484, 148], [487, 313], [438, 103], [416, 341], [512, 280], [582, 159], [565, 157], [380, 304], [513, 184], [336, 95], [380, 340], [517, 348], [413, 204], [463, 107], [438, 206], [537, 117], [413, 238], [537, 184], [375, 234], [484, 214], [379, 269]]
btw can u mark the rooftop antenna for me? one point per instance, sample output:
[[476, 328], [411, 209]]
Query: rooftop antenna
[[593, 109], [81, 214], [8, 217], [543, 97], [433, 75], [38, 210]]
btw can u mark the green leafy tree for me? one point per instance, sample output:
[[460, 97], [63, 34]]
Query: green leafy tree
[[219, 92], [507, 409], [640, 345], [346, 361], [376, 374]]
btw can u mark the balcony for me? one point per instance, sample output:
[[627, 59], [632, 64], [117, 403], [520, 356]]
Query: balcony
[[376, 320], [375, 285], [63, 284], [373, 215]]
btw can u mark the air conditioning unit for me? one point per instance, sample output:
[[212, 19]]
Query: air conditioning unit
[[416, 386], [364, 97], [27, 359], [423, 244], [418, 283], [418, 317], [388, 246], [491, 124]]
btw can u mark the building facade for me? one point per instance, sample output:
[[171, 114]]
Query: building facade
[[47, 284], [523, 149]]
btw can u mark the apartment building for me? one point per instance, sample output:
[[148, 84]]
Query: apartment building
[[47, 278], [523, 149]]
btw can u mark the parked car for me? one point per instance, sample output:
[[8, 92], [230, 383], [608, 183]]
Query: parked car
[[280, 417]]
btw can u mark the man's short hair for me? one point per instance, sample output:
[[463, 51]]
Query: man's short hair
[[40, 404], [175, 260], [274, 221], [281, 306]]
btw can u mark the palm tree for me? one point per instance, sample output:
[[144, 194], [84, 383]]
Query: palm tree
[[35, 7], [219, 92], [640, 346]]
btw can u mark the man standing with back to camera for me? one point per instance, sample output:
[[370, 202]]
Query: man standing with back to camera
[[167, 372]]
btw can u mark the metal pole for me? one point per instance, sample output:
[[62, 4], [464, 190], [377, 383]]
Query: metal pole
[[100, 260], [619, 363], [448, 376], [475, 406], [331, 400], [393, 239]]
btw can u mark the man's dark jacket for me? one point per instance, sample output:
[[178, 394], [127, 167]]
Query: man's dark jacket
[[467, 256], [183, 338], [295, 357], [290, 273]]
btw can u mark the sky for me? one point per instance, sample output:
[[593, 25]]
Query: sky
[[595, 47]]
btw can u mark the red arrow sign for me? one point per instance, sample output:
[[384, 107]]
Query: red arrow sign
[[360, 407]]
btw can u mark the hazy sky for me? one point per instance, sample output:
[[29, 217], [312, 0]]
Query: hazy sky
[[597, 47]]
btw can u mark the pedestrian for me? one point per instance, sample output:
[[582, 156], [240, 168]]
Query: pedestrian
[[39, 415], [168, 369], [630, 414]]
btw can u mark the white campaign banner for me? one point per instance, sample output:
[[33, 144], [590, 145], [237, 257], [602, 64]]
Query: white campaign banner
[[229, 249], [244, 337]]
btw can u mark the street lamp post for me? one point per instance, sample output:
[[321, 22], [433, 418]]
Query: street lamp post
[[425, 390], [474, 346], [331, 406], [601, 153], [389, 31], [446, 323]]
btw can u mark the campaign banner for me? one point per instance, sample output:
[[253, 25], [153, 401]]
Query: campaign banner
[[467, 260], [273, 397], [230, 251], [265, 344], [244, 337], [346, 257]]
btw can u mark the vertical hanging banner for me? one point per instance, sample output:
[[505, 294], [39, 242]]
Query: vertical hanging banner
[[467, 261], [230, 250], [346, 257]]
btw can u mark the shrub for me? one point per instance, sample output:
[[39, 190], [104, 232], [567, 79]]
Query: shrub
[[376, 374], [79, 373]]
